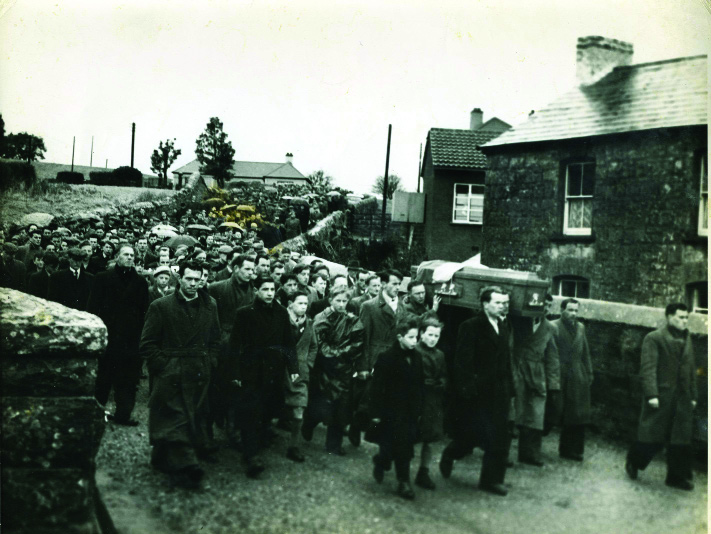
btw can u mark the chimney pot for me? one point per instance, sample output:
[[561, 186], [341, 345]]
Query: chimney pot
[[598, 56], [476, 119], [289, 157]]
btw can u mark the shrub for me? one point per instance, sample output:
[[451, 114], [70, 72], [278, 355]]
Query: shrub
[[101, 178], [69, 177], [149, 196], [16, 174], [127, 177]]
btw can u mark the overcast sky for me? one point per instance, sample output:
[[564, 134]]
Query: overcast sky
[[321, 79]]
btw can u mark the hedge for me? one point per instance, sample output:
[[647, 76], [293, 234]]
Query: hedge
[[101, 178], [69, 177], [14, 174]]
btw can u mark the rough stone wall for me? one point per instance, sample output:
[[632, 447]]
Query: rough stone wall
[[52, 424], [365, 221], [443, 239], [644, 247]]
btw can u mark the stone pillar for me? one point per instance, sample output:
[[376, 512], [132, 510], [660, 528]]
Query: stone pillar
[[51, 423]]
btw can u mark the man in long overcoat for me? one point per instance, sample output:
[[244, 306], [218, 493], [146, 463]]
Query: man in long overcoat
[[379, 317], [261, 350], [576, 376], [230, 294], [669, 386], [120, 298], [483, 388], [536, 375], [180, 342], [72, 286]]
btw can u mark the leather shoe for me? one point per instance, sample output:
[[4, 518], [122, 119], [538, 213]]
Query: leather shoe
[[307, 432], [254, 467], [680, 484], [423, 479], [354, 435], [631, 470], [378, 471], [404, 490], [571, 456], [496, 489], [446, 464], [294, 454]]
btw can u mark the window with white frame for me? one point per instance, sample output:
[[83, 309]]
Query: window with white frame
[[571, 286], [579, 186], [697, 297], [468, 205], [703, 197]]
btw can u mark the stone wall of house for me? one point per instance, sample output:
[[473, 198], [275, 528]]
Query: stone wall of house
[[644, 248], [445, 240], [52, 424]]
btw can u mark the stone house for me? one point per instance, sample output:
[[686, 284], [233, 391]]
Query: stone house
[[604, 191], [250, 171], [453, 170]]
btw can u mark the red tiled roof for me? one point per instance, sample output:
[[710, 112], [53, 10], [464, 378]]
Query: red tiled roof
[[459, 148], [662, 94]]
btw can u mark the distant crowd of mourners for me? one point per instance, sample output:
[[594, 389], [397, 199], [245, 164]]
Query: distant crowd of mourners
[[241, 340]]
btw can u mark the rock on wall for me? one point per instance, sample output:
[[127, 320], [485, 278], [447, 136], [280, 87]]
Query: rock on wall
[[52, 425]]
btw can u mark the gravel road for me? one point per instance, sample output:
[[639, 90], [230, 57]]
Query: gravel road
[[330, 494]]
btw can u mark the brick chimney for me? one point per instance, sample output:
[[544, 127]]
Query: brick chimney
[[476, 118], [597, 56], [289, 158]]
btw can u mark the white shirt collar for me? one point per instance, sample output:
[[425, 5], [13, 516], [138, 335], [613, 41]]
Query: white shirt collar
[[390, 301]]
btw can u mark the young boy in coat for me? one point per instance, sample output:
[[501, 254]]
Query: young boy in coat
[[396, 404]]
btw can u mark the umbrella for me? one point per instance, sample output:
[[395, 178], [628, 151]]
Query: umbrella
[[40, 219], [164, 232], [199, 227], [232, 225], [311, 195], [159, 227], [286, 197], [334, 193], [228, 207], [245, 207], [63, 231], [178, 240], [299, 200]]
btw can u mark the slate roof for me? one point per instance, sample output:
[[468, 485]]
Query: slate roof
[[662, 94], [459, 148], [251, 169]]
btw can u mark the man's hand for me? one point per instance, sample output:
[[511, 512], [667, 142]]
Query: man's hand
[[435, 302], [294, 376], [693, 404], [237, 383], [653, 402], [362, 375]]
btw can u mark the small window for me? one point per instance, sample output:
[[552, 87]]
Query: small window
[[468, 205], [579, 186], [698, 297], [703, 198], [572, 286]]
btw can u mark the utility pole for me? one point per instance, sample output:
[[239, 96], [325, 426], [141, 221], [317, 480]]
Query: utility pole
[[107, 164], [385, 181], [74, 140], [419, 169], [91, 156], [133, 140]]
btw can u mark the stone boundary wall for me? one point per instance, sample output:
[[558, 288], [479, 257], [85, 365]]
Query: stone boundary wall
[[52, 425], [615, 332]]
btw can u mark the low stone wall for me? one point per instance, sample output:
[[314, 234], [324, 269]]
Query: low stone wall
[[323, 230], [615, 332], [52, 425]]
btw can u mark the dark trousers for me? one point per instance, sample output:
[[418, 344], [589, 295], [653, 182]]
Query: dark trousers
[[387, 456], [257, 406], [170, 456], [529, 443], [493, 466], [679, 459], [122, 376], [334, 414], [572, 440]]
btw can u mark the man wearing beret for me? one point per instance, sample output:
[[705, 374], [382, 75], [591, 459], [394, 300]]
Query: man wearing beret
[[71, 286]]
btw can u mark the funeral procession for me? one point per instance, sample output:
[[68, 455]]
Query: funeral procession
[[351, 268]]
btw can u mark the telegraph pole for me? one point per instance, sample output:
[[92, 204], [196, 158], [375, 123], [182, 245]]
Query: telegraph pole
[[419, 169], [133, 140], [74, 140], [385, 181], [91, 156]]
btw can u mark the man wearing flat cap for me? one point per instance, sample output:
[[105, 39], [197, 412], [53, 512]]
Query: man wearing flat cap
[[71, 286]]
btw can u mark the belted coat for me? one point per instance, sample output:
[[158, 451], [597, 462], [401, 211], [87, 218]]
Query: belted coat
[[576, 371]]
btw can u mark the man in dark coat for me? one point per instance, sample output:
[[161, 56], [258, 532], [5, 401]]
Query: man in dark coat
[[576, 376], [415, 301], [72, 286], [669, 386], [180, 342], [38, 283], [13, 272], [483, 387], [230, 295], [99, 262], [120, 298], [262, 349]]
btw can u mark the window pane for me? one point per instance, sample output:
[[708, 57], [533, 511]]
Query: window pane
[[588, 179], [575, 213], [705, 212], [460, 215], [567, 288], [583, 289], [704, 176], [574, 179], [461, 202], [587, 214], [461, 189], [476, 202]]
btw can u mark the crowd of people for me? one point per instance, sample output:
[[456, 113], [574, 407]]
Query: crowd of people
[[239, 341]]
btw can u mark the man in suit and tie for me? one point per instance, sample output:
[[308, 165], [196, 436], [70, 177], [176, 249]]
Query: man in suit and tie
[[72, 286], [38, 283], [483, 387]]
